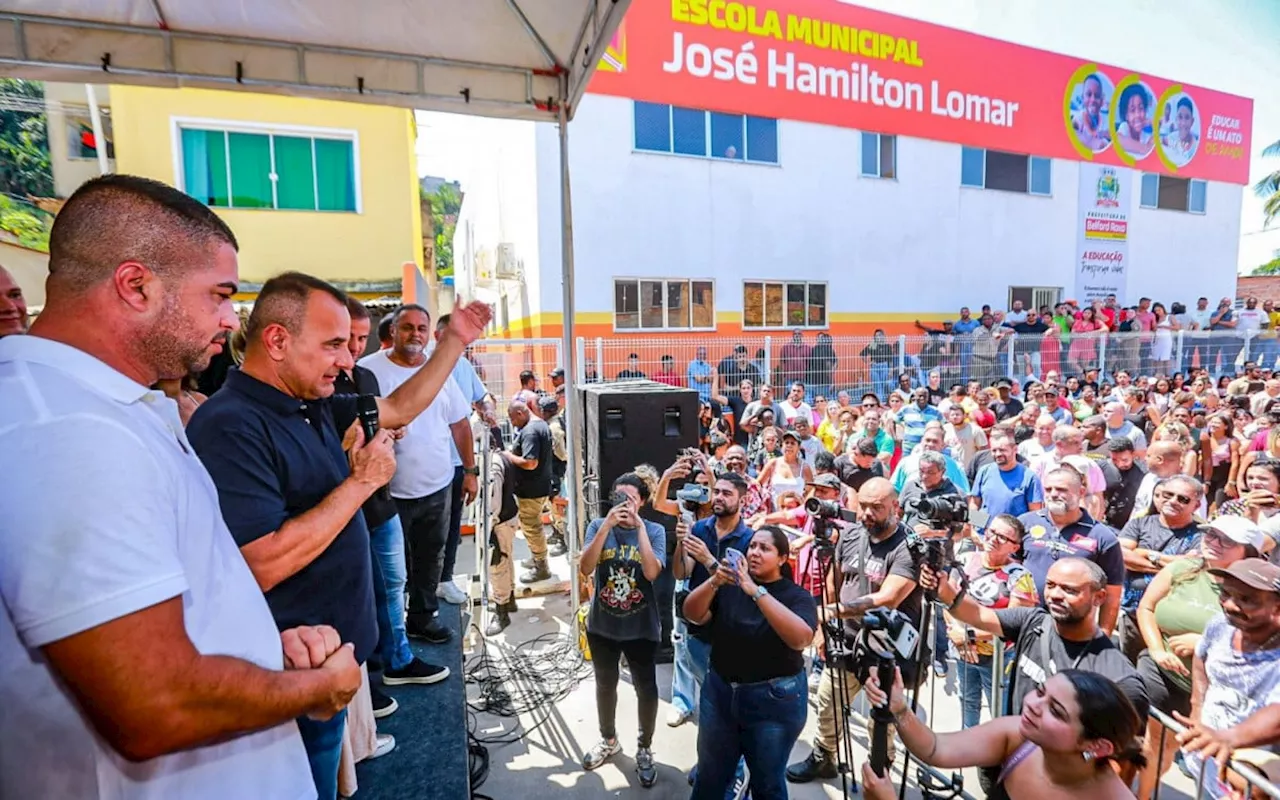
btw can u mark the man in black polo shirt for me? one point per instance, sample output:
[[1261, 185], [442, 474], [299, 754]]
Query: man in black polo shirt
[[271, 440], [1064, 528], [395, 663], [532, 453]]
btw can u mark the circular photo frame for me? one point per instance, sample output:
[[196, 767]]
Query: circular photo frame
[[1178, 140], [1134, 121], [1087, 109]]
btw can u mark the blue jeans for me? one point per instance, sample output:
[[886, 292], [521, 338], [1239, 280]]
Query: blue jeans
[[323, 742], [941, 644], [880, 381], [1264, 351], [387, 542], [756, 721], [975, 685], [455, 526], [689, 669]]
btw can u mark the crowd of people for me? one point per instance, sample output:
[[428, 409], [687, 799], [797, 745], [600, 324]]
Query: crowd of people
[[1068, 338], [225, 532], [1120, 549]]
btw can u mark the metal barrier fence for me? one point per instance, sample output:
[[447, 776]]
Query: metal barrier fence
[[1254, 780], [857, 364], [499, 363]]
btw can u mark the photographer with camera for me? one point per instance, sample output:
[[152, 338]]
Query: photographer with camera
[[933, 508], [625, 554], [1062, 634], [754, 698], [873, 567]]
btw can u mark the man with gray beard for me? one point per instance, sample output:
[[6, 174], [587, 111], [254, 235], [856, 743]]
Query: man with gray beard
[[1064, 528]]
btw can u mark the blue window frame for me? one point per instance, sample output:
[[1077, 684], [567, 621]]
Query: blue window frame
[[1006, 172], [661, 128], [1168, 193]]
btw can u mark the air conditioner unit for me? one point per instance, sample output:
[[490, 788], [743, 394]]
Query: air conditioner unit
[[508, 268], [483, 265]]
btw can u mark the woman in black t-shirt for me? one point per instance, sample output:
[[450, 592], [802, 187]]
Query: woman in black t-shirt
[[755, 696]]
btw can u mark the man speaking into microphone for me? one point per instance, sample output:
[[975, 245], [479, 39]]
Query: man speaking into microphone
[[271, 439]]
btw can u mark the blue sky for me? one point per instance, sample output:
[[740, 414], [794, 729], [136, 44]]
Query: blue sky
[[1228, 45]]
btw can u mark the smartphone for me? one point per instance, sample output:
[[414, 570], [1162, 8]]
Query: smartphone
[[734, 557]]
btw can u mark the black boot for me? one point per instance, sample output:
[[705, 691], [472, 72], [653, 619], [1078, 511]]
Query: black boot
[[556, 545], [819, 764], [538, 572], [499, 619], [510, 605]]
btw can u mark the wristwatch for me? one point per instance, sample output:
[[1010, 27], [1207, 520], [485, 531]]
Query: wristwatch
[[471, 471], [1153, 557], [758, 593]]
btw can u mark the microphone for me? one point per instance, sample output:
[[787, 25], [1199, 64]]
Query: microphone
[[367, 413]]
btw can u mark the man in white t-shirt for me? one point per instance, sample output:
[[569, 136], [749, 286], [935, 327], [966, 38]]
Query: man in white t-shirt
[[422, 486], [140, 657]]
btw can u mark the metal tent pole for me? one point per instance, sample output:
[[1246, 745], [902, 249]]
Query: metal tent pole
[[569, 353]]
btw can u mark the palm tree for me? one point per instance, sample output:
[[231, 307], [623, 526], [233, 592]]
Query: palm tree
[[1269, 188]]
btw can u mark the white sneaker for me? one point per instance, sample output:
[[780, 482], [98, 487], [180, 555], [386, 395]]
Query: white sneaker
[[386, 743], [450, 593], [676, 717]]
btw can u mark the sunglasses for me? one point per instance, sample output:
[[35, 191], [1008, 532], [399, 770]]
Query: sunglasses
[[1181, 498]]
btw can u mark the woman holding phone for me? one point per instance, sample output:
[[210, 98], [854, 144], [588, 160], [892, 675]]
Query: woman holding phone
[[755, 697], [626, 554], [1072, 728]]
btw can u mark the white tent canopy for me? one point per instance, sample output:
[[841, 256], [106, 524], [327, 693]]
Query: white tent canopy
[[504, 58], [519, 59]]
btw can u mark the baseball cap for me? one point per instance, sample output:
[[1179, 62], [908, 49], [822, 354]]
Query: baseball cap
[[547, 403], [1003, 383], [1254, 572], [826, 480], [790, 434], [1240, 530], [1094, 421], [558, 372]]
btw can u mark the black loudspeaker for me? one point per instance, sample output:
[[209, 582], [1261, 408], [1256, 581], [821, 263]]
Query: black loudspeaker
[[628, 424]]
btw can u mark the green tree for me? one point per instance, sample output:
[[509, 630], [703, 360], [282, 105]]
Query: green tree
[[26, 223], [24, 141], [1269, 188], [445, 205], [1272, 267]]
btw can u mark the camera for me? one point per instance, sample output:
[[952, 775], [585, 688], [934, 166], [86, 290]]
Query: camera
[[944, 511], [828, 509]]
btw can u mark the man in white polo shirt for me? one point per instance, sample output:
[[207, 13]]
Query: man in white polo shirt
[[138, 658], [423, 482]]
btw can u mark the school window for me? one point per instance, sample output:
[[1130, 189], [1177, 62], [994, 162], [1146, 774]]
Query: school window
[[82, 142], [661, 128], [241, 169], [1173, 194], [1006, 172], [770, 304], [879, 155], [663, 304]]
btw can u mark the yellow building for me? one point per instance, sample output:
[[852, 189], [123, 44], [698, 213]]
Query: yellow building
[[323, 187]]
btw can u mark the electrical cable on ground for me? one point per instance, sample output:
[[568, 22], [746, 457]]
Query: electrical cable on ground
[[528, 680]]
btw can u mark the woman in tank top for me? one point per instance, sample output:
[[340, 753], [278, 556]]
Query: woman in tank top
[[788, 472], [1060, 748]]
